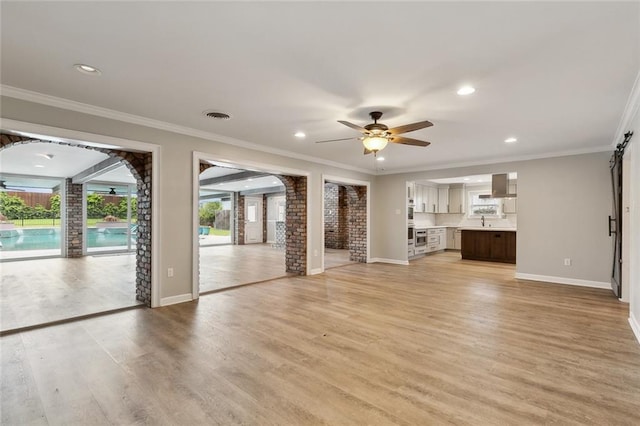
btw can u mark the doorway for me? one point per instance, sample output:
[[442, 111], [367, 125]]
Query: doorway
[[267, 219], [345, 222], [253, 220]]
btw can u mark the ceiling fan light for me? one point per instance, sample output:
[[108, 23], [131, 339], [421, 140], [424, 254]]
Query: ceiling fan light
[[375, 144]]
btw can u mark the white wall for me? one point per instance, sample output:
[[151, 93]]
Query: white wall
[[175, 221], [563, 204]]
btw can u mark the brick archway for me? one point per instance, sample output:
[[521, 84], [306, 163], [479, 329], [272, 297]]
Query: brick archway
[[296, 221], [140, 166], [346, 219]]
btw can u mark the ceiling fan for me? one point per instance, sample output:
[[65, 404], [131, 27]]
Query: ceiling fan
[[9, 188], [377, 135], [112, 191]]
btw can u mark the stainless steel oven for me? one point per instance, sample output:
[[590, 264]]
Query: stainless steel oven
[[411, 235], [421, 238], [410, 214]]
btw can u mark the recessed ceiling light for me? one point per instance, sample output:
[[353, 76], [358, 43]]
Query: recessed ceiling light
[[466, 179], [275, 182], [246, 186], [87, 69], [466, 90], [511, 140], [38, 165], [300, 135], [47, 156], [380, 158]]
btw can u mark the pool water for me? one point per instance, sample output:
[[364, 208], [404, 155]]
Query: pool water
[[49, 238]]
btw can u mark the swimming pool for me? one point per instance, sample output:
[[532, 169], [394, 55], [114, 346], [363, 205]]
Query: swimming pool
[[49, 238]]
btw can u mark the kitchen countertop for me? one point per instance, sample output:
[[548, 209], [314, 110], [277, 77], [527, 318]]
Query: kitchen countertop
[[487, 228], [430, 226]]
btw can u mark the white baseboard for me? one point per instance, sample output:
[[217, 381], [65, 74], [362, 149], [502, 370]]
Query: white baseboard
[[172, 300], [383, 260], [635, 325], [562, 280], [316, 271]]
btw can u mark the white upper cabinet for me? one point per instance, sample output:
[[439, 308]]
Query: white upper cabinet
[[456, 199], [443, 199]]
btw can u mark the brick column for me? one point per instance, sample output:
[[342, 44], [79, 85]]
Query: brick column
[[143, 245], [73, 219], [296, 243], [357, 223], [331, 214], [343, 218], [239, 218]]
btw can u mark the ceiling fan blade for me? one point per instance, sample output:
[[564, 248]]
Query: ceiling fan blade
[[336, 140], [410, 127], [408, 141], [353, 126]]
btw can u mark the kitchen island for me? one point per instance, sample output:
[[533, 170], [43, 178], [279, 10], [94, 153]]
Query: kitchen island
[[489, 244]]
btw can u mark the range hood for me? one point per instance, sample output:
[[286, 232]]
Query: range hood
[[499, 187]]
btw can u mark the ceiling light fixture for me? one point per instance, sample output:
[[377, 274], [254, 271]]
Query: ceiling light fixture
[[87, 69], [47, 156], [300, 135], [374, 143], [466, 90], [380, 158], [511, 140], [38, 165]]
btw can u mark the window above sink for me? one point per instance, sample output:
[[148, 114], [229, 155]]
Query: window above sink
[[487, 207]]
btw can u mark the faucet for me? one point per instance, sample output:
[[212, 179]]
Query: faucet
[[482, 220]]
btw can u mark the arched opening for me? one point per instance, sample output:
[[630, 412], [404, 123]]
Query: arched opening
[[265, 216], [72, 222], [345, 223]]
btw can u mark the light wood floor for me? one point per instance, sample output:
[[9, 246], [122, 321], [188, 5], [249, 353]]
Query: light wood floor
[[46, 290], [335, 257], [442, 341], [226, 266]]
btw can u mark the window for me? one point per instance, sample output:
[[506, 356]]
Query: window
[[487, 207]]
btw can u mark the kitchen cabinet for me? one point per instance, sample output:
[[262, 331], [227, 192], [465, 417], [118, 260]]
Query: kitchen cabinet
[[456, 199], [443, 199], [451, 238], [420, 198], [430, 196], [509, 205], [493, 246], [411, 191], [436, 239]]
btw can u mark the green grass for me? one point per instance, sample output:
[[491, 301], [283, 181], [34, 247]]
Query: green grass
[[219, 232]]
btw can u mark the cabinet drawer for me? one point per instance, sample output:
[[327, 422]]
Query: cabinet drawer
[[433, 239]]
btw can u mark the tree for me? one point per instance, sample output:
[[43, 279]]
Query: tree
[[11, 206], [94, 206], [122, 208], [55, 205], [208, 211], [111, 209]]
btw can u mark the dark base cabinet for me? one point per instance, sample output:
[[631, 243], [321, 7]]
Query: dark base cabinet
[[493, 246]]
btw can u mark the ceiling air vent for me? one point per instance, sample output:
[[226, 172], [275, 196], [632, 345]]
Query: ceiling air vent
[[217, 115]]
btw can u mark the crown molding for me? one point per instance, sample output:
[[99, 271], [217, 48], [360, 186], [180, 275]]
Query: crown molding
[[630, 111], [53, 101]]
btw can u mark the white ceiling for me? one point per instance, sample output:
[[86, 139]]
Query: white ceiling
[[556, 75], [29, 159]]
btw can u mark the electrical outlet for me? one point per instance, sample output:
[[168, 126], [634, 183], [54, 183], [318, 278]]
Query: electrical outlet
[[170, 272], [567, 262]]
